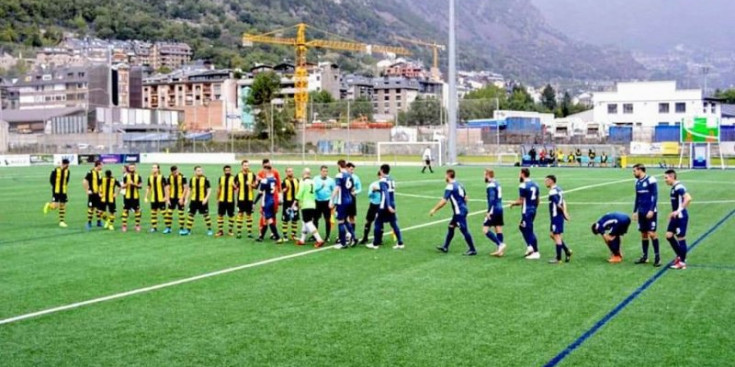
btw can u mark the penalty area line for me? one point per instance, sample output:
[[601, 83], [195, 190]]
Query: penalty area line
[[173, 283]]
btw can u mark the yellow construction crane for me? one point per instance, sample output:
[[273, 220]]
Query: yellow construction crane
[[301, 75], [435, 73]]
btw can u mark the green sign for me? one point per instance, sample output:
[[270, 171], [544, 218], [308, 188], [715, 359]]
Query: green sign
[[700, 130]]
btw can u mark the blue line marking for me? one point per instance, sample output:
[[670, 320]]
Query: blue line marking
[[599, 324]]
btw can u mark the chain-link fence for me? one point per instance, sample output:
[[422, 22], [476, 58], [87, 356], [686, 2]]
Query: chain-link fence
[[345, 128]]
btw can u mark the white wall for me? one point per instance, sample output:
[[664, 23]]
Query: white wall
[[645, 98]]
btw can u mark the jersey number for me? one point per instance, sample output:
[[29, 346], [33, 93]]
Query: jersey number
[[533, 193]]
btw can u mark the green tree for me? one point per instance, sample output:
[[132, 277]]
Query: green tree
[[548, 98], [361, 107], [321, 96], [520, 100], [266, 87], [422, 112], [728, 95]]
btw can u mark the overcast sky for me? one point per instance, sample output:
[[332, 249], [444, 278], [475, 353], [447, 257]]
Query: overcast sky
[[647, 25]]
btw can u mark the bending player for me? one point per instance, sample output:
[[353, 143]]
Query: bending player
[[678, 219], [612, 226]]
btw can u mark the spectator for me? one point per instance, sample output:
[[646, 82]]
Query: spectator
[[560, 155], [570, 158], [542, 157], [603, 160], [532, 154], [591, 154], [578, 154]]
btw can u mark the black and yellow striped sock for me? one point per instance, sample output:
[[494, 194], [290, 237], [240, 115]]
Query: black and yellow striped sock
[[249, 222], [125, 218], [182, 216], [240, 218], [168, 218], [208, 221], [101, 215], [220, 222], [294, 228], [190, 221], [138, 214], [154, 218], [232, 224], [284, 227], [90, 214], [62, 213], [111, 218]]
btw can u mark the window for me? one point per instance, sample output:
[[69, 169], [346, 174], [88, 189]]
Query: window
[[628, 108], [398, 97], [681, 107], [612, 108], [386, 104], [398, 104], [387, 98], [663, 108]]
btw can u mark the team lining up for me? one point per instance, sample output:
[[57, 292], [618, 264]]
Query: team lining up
[[307, 200]]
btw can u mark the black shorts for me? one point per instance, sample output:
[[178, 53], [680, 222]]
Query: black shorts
[[225, 208], [94, 201], [131, 204], [245, 206], [308, 215], [175, 205], [427, 162], [494, 221], [284, 214], [352, 208], [58, 198], [158, 206], [372, 212], [198, 207], [109, 207], [322, 209]]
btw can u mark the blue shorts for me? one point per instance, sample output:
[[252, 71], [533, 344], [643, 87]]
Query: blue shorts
[[527, 220], [459, 221], [342, 211], [645, 224], [678, 226], [557, 225], [269, 212], [619, 229], [495, 220]]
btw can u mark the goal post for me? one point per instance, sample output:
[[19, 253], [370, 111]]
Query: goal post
[[409, 153]]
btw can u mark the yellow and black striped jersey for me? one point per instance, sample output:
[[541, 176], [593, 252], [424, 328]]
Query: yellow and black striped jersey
[[226, 192], [60, 180]]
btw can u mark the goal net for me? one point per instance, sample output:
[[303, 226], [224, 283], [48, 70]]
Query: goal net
[[410, 153]]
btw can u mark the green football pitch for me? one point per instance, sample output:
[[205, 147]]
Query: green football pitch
[[115, 299]]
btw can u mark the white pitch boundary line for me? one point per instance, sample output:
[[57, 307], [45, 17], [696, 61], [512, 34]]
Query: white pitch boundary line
[[232, 269]]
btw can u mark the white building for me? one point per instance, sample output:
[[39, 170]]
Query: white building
[[648, 104]]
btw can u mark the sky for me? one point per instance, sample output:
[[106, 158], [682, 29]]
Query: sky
[[645, 25]]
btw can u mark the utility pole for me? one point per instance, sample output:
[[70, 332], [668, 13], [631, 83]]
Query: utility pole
[[452, 75]]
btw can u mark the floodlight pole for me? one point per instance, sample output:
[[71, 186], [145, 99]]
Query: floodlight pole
[[452, 75]]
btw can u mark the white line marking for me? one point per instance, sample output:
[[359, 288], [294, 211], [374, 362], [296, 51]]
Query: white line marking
[[628, 203], [232, 269]]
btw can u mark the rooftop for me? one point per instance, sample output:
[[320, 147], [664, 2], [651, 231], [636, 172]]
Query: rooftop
[[37, 115]]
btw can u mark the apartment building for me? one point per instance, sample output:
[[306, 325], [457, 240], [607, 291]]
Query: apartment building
[[394, 94], [171, 55], [207, 97]]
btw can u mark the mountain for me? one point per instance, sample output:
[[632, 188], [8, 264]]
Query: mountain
[[508, 36], [649, 26]]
